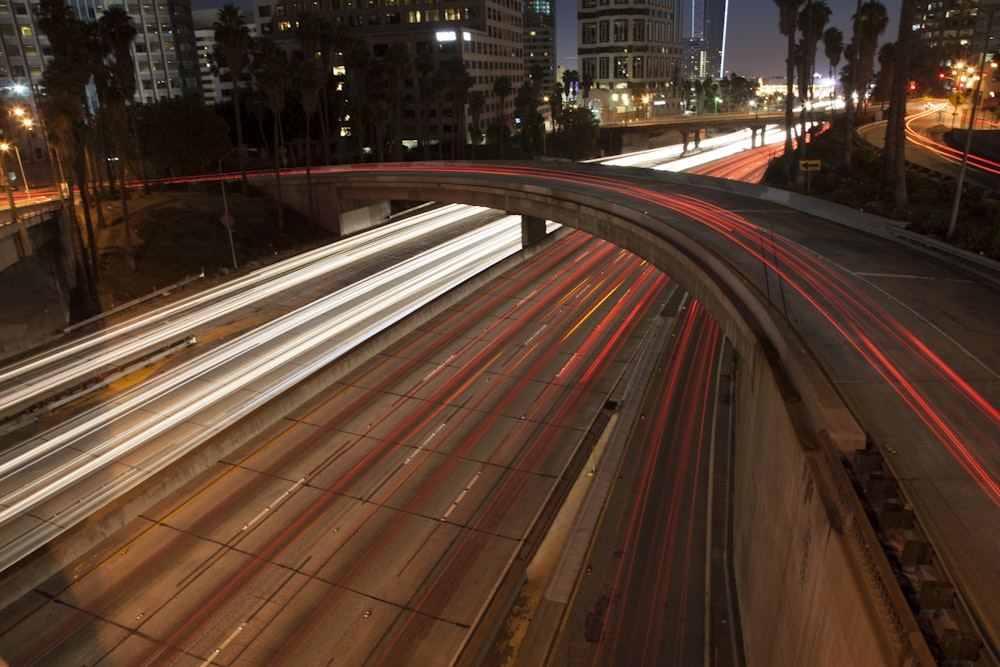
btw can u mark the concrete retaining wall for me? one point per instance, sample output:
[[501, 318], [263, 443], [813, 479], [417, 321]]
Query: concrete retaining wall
[[36, 290]]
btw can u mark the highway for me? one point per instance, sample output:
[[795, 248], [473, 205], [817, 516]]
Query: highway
[[56, 478], [369, 527], [907, 344], [926, 126], [653, 591], [29, 385], [901, 335]]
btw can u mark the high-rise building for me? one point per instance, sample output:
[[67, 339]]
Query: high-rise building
[[486, 34], [631, 45], [166, 63], [945, 31], [706, 47], [216, 85], [540, 41]]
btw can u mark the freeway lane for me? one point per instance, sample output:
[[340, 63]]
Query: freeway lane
[[646, 594], [373, 522]]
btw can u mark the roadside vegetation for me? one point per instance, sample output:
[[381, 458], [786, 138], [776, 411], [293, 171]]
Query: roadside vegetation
[[929, 202]]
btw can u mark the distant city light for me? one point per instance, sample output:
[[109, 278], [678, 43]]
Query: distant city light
[[446, 36]]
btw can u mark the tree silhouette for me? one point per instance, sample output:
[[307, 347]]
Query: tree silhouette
[[232, 36]]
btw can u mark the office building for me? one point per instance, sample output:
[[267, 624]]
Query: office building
[[540, 41], [166, 63], [631, 45], [950, 32]]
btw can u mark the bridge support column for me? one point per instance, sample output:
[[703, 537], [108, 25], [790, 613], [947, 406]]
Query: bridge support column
[[532, 230], [339, 214]]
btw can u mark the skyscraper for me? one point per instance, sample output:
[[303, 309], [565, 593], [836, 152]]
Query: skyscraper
[[540, 41], [707, 44]]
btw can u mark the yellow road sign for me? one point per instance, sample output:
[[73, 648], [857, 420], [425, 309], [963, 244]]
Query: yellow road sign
[[810, 165]]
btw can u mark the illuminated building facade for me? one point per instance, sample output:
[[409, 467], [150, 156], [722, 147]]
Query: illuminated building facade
[[540, 41], [705, 50], [631, 44]]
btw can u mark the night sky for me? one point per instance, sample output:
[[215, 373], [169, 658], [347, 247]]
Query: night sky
[[754, 46]]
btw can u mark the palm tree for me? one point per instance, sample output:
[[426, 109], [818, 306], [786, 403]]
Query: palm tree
[[65, 113], [833, 47], [502, 88], [271, 73], [812, 21], [316, 39], [894, 155], [886, 57], [233, 36], [871, 21], [357, 61], [440, 85], [398, 66], [459, 83], [556, 102], [788, 11], [118, 31], [309, 79], [477, 103], [525, 104], [425, 86], [570, 81], [586, 83]]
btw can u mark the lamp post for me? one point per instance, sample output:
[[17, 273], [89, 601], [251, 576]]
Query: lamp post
[[968, 134], [24, 178], [22, 231], [227, 219], [58, 179]]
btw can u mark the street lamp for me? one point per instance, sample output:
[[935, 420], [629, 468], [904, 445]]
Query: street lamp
[[968, 135], [22, 231], [17, 152], [227, 219], [58, 179]]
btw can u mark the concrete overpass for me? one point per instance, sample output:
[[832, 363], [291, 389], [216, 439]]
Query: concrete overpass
[[814, 582], [636, 132]]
